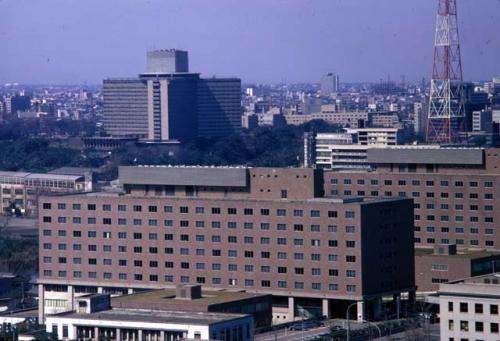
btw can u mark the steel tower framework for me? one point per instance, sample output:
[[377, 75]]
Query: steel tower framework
[[446, 117]]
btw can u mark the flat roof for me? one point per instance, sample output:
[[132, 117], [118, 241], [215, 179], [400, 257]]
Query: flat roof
[[162, 299], [26, 175], [471, 254], [184, 176], [449, 156], [152, 316]]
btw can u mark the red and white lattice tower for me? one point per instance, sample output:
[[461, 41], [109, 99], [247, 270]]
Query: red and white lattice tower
[[446, 118]]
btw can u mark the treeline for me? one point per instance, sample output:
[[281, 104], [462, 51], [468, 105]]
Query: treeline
[[261, 147]]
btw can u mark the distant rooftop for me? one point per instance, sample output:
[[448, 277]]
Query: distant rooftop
[[184, 176], [451, 156], [141, 315], [25, 175], [165, 299]]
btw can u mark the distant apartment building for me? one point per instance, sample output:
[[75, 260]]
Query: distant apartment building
[[346, 150], [482, 121], [261, 230], [469, 308], [348, 119], [329, 84], [384, 120], [19, 191], [168, 103]]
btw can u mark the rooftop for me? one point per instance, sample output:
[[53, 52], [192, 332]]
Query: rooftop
[[144, 315], [184, 176], [471, 254], [164, 299], [489, 279], [450, 156], [25, 175]]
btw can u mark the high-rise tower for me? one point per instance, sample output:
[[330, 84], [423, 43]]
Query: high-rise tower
[[446, 118]]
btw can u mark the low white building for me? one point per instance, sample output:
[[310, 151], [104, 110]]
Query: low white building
[[469, 308], [94, 319]]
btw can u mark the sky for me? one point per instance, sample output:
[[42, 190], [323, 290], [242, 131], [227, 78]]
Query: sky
[[269, 41]]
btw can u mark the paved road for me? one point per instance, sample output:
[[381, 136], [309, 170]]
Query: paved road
[[285, 335]]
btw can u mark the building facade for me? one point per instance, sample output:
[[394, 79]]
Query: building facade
[[19, 191], [454, 192], [161, 106], [261, 230], [469, 308]]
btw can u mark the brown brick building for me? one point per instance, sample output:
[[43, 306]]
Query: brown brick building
[[455, 193], [261, 230]]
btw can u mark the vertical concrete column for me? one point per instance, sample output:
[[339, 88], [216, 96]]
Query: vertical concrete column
[[99, 290], [118, 334], [139, 335], [412, 298], [361, 311], [96, 333], [291, 308], [162, 335], [326, 308], [377, 308], [397, 301], [41, 304], [130, 291], [71, 293]]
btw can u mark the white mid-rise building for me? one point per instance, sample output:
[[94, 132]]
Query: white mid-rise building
[[469, 309]]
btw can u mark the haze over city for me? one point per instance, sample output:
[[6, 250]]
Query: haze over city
[[59, 41]]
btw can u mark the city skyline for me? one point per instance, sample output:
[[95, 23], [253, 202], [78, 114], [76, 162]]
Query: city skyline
[[293, 41]]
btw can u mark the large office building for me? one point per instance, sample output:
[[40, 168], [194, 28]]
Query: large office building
[[454, 192], [469, 308], [261, 230], [167, 103]]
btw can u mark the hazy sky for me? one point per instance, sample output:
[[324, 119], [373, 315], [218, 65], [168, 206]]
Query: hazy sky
[[75, 41]]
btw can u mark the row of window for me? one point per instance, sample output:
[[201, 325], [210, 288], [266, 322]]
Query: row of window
[[185, 251], [428, 183], [201, 280], [463, 307], [201, 238], [201, 210], [202, 266], [478, 326], [201, 224], [473, 219], [443, 195], [472, 242], [458, 207], [459, 230]]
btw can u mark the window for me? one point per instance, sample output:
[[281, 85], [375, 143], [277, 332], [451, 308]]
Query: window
[[464, 308], [494, 309], [494, 328], [215, 210]]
